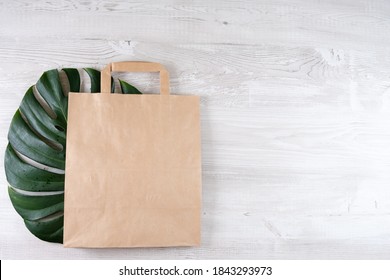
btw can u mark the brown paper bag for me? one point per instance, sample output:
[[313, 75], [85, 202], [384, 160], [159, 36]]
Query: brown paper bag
[[133, 166]]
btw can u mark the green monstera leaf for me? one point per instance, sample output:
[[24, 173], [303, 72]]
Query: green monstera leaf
[[35, 156]]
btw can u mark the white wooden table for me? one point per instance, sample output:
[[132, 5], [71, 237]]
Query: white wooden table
[[295, 104]]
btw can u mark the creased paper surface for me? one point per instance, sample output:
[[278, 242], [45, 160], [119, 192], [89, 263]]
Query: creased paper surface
[[133, 171]]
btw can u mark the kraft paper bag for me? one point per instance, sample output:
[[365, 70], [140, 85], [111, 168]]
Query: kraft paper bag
[[133, 166]]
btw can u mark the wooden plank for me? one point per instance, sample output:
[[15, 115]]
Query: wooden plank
[[348, 23], [295, 106]]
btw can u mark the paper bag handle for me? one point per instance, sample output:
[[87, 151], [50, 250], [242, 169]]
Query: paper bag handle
[[134, 66]]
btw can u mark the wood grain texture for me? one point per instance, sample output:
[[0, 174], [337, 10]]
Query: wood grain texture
[[295, 105]]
